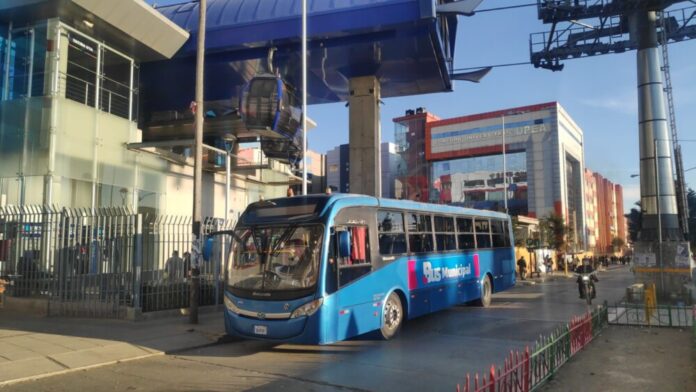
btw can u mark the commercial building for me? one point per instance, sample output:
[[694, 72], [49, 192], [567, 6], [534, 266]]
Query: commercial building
[[526, 159], [338, 168], [70, 107]]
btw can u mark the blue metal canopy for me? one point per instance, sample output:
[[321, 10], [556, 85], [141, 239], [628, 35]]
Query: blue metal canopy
[[402, 42]]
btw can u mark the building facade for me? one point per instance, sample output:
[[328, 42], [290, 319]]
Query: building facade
[[69, 111], [338, 168], [527, 159], [610, 222]]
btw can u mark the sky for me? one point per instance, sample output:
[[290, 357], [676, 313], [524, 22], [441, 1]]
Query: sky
[[598, 92]]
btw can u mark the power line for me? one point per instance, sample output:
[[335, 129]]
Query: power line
[[507, 7]]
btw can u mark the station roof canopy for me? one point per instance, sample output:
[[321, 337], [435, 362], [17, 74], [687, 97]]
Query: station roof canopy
[[404, 43], [131, 25]]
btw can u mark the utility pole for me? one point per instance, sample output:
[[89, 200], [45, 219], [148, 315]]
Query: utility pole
[[198, 166], [304, 97]]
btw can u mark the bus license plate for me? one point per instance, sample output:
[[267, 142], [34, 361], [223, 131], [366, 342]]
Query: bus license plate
[[260, 329]]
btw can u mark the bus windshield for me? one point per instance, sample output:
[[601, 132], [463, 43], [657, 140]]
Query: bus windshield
[[278, 258]]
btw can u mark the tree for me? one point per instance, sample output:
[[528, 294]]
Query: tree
[[618, 243], [634, 220], [555, 233], [691, 203]]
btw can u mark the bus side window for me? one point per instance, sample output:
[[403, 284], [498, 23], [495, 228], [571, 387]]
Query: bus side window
[[358, 263]]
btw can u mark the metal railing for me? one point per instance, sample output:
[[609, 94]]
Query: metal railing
[[101, 263], [525, 371], [642, 315]]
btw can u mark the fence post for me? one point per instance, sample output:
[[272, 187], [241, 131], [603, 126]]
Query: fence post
[[137, 265], [492, 379], [527, 382]]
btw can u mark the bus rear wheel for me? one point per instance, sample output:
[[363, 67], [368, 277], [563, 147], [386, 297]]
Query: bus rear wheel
[[393, 316], [486, 292]]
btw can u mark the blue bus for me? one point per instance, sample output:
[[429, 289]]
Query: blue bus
[[323, 268]]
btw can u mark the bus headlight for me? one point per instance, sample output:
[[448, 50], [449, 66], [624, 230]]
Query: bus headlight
[[307, 309], [230, 305]]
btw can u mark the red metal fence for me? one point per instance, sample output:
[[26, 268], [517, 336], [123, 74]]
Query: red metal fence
[[524, 371]]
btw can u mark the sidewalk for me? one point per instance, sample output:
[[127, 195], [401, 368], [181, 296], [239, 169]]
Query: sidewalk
[[556, 275], [631, 359], [34, 347]]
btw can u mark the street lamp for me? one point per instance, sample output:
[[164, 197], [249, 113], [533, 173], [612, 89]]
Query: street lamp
[[505, 187], [304, 97]]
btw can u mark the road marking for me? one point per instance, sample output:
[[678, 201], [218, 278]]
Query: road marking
[[518, 295]]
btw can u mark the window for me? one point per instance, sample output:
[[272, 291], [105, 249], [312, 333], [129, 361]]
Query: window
[[444, 233], [91, 65], [358, 263], [392, 235], [465, 228], [498, 233], [420, 230], [483, 233]]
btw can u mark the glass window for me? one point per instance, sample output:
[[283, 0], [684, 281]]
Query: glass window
[[276, 259], [419, 223], [466, 241], [392, 238], [483, 236], [420, 237], [358, 263], [465, 225], [444, 233]]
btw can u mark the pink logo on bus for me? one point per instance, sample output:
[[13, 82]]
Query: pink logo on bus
[[477, 268]]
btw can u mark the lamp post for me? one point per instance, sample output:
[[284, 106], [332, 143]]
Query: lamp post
[[659, 218], [304, 97], [505, 186], [505, 190]]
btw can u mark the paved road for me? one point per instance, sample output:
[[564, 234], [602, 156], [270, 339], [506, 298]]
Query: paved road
[[431, 353]]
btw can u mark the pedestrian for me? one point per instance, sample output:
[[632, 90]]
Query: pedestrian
[[291, 192], [548, 263], [522, 265], [174, 268]]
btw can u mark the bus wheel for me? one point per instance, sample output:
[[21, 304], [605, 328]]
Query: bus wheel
[[393, 316], [486, 292]]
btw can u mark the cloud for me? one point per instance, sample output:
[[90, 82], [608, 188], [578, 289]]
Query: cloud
[[623, 103]]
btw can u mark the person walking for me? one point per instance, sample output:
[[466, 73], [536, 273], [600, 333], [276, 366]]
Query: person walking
[[522, 265]]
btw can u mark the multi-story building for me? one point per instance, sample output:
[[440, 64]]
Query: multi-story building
[[591, 213], [70, 92], [413, 170], [610, 221], [338, 168], [527, 159]]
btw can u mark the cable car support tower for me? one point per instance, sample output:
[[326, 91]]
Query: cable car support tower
[[582, 28]]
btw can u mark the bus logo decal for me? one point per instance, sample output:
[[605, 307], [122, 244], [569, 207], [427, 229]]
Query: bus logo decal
[[436, 274], [261, 315]]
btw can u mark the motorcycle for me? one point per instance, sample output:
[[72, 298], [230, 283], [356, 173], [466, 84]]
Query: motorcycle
[[588, 287]]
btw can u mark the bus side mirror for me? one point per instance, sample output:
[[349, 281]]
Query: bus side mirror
[[344, 243], [208, 248]]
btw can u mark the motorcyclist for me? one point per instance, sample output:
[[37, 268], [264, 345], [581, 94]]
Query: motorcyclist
[[586, 268]]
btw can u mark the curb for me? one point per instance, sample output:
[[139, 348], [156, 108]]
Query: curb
[[6, 383]]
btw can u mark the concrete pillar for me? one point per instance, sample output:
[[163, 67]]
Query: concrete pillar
[[365, 136]]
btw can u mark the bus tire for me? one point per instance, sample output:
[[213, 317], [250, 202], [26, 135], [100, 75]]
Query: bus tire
[[392, 316], [486, 292]]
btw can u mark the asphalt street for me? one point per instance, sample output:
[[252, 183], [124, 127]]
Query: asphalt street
[[433, 352]]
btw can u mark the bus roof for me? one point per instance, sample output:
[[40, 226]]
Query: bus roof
[[324, 203]]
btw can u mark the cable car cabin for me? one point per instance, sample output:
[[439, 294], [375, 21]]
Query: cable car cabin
[[268, 103], [284, 150]]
